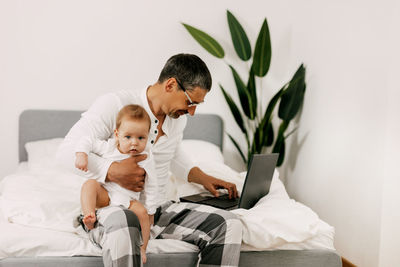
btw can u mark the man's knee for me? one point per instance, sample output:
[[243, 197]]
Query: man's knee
[[235, 225], [232, 225], [227, 215], [232, 220]]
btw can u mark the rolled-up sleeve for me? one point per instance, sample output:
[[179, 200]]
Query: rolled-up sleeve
[[84, 145]]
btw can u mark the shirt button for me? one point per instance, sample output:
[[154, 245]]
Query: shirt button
[[155, 131], [156, 121], [152, 142]]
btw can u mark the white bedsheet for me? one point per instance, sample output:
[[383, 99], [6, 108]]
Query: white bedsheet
[[37, 208]]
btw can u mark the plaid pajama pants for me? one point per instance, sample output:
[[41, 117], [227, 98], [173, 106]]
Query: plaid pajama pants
[[217, 233]]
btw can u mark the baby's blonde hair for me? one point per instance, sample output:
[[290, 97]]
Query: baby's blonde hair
[[133, 112]]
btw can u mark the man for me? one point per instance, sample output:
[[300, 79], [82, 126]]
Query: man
[[182, 85]]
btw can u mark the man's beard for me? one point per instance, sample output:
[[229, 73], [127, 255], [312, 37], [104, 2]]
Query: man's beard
[[173, 115], [177, 114]]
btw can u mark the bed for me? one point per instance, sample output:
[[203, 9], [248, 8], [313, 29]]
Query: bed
[[37, 125]]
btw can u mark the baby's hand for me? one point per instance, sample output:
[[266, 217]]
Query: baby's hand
[[81, 161]]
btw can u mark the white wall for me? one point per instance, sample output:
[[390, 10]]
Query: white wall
[[62, 54], [390, 219], [339, 169]]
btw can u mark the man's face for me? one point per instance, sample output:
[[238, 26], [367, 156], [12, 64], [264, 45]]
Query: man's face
[[180, 103]]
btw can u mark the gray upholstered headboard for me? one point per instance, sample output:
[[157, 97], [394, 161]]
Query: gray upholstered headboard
[[45, 124]]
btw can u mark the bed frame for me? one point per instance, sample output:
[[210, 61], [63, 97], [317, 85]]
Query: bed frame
[[44, 124]]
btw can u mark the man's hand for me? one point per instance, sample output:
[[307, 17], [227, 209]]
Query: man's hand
[[211, 183], [127, 173]]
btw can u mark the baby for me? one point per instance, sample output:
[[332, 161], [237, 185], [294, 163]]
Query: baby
[[131, 135]]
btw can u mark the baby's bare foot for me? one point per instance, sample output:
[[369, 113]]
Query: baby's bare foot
[[89, 220], [143, 253]]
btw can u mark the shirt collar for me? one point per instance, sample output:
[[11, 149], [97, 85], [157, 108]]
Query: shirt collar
[[146, 105], [154, 120]]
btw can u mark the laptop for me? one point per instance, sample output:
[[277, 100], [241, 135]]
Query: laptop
[[256, 185]]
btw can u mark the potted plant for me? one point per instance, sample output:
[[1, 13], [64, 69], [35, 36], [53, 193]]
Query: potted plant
[[256, 124]]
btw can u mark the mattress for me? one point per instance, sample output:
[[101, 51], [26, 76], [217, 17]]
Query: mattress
[[278, 258]]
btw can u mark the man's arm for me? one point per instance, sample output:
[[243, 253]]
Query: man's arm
[[127, 173], [182, 166], [196, 175]]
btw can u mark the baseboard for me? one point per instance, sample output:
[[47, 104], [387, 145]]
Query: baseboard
[[346, 263]]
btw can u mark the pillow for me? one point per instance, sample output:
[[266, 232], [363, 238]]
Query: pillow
[[201, 151], [41, 154]]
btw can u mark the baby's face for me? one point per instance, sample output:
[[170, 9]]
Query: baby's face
[[132, 136]]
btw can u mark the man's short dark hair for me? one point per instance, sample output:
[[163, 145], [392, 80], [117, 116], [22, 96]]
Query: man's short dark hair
[[189, 69]]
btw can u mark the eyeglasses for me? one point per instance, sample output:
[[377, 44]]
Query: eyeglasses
[[190, 102]]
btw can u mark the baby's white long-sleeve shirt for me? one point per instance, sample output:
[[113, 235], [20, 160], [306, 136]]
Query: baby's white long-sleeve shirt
[[119, 195]]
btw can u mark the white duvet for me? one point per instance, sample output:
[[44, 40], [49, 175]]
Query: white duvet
[[43, 198], [38, 205], [276, 221]]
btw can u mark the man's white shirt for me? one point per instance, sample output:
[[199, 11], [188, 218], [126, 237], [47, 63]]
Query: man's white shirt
[[99, 122]]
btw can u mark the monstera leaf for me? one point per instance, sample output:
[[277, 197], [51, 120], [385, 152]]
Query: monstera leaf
[[234, 109], [293, 96], [206, 41], [244, 95], [262, 52], [239, 38]]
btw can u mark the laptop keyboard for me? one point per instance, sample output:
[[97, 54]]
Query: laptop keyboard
[[222, 202]]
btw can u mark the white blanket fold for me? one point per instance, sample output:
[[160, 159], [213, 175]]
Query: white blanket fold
[[42, 198]]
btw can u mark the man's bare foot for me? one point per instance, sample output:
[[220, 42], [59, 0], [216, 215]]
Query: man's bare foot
[[89, 220], [143, 253]]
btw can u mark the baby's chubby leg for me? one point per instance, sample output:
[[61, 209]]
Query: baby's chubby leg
[[144, 220], [93, 196]]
